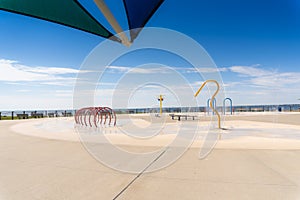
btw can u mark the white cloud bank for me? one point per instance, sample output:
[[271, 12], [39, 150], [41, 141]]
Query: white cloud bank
[[166, 69], [13, 71], [258, 85], [266, 78], [245, 84], [250, 71]]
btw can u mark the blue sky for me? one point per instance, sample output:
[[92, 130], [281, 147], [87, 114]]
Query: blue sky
[[255, 44]]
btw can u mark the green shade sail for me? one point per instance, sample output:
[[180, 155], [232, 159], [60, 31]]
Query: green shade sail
[[66, 12]]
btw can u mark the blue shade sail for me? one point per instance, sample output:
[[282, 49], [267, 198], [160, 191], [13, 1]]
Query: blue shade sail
[[138, 13]]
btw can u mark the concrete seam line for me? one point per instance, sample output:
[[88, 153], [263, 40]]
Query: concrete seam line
[[135, 178]]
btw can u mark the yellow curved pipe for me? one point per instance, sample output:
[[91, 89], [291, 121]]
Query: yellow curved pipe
[[212, 98]]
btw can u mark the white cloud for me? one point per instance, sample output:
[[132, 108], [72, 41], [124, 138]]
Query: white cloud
[[204, 70], [63, 93], [255, 76], [12, 71], [23, 91], [138, 70], [153, 86], [60, 82], [148, 70], [9, 72], [231, 84], [46, 70], [251, 71], [277, 80], [118, 68], [256, 85]]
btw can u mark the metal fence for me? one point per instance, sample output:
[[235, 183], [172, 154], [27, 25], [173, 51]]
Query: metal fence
[[12, 115]]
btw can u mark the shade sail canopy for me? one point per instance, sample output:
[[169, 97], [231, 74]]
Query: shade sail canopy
[[138, 13], [66, 12]]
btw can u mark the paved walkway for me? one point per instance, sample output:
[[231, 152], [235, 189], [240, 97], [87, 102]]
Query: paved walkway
[[37, 168]]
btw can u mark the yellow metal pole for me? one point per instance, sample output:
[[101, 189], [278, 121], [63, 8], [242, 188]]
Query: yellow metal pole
[[212, 99], [160, 103]]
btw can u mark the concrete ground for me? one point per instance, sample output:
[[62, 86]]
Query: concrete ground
[[40, 168]]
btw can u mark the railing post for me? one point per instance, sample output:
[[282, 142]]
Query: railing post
[[0, 116], [12, 115]]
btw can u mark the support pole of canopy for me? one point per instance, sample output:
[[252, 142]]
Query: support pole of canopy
[[112, 21]]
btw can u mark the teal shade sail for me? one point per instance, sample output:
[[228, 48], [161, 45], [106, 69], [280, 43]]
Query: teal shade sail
[[65, 12]]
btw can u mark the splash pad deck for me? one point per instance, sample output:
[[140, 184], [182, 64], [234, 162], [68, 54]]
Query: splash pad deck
[[238, 134]]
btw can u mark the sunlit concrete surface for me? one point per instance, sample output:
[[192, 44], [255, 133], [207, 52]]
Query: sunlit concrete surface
[[257, 157]]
